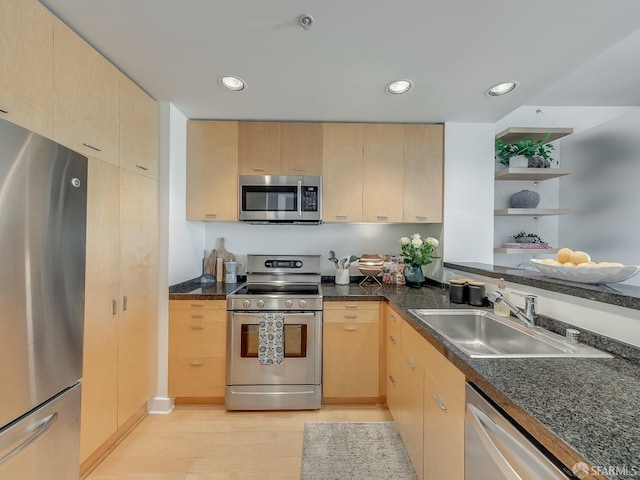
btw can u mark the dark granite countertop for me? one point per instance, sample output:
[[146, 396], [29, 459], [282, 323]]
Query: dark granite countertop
[[579, 409], [615, 293]]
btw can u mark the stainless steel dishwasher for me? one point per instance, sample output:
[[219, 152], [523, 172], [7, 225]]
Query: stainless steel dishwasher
[[494, 449]]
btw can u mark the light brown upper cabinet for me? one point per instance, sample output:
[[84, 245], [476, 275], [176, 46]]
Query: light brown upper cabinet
[[275, 148], [86, 97], [212, 170], [423, 173], [383, 173], [138, 130], [342, 172], [26, 65]]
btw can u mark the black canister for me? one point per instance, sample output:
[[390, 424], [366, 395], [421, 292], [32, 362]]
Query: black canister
[[476, 294], [458, 291]]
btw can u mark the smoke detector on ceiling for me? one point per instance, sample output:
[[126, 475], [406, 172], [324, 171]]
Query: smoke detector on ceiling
[[306, 21]]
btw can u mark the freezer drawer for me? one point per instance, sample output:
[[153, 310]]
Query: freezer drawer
[[44, 445]]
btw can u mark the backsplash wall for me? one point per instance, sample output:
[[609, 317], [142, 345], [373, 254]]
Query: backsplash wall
[[344, 238]]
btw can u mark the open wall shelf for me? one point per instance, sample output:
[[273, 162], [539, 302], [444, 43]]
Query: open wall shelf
[[515, 134], [525, 251], [532, 212], [535, 174]]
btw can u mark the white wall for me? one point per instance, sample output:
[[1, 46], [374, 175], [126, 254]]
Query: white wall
[[468, 192], [345, 239], [603, 192], [186, 239]]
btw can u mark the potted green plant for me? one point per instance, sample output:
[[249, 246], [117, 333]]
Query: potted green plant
[[524, 237], [537, 154]]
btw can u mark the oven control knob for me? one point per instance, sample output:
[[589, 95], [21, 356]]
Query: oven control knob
[[246, 303], [288, 303], [260, 303], [302, 303]]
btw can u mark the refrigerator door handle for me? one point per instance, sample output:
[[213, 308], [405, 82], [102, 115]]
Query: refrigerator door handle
[[34, 432]]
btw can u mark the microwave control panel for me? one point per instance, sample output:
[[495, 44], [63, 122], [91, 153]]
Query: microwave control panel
[[309, 198]]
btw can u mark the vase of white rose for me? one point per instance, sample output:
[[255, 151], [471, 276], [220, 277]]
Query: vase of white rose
[[417, 252]]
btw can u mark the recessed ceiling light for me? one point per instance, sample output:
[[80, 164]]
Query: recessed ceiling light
[[398, 87], [235, 84], [501, 89]]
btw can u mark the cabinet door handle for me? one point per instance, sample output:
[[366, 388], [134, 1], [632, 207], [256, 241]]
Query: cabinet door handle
[[341, 217], [197, 315], [351, 329], [382, 217], [300, 169], [92, 147], [439, 401], [212, 215], [197, 364], [409, 362], [141, 167], [197, 327], [393, 340], [422, 217], [197, 304], [125, 303], [350, 315], [258, 169], [351, 305], [392, 316], [393, 382], [114, 307], [2, 110]]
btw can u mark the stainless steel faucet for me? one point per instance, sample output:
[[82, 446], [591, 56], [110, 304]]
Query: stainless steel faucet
[[528, 315]]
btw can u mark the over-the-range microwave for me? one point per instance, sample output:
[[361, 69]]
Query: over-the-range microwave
[[280, 199]]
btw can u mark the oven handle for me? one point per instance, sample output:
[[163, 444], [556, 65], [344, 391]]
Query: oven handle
[[301, 314], [299, 198]]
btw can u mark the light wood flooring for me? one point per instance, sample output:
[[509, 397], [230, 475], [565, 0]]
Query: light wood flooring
[[209, 443]]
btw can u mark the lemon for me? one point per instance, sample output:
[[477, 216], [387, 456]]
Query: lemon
[[564, 254], [579, 257]]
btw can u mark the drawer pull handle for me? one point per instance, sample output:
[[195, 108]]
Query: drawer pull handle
[[197, 315], [2, 110], [393, 382], [382, 217], [351, 329], [197, 304], [351, 315], [92, 147], [393, 317], [197, 327], [141, 167], [197, 364], [410, 363], [393, 340], [351, 305], [341, 217], [439, 402]]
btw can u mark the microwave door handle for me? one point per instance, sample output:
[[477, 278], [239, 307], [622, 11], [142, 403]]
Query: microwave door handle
[[299, 198]]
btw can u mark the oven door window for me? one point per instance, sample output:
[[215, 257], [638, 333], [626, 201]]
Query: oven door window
[[269, 198], [295, 341]]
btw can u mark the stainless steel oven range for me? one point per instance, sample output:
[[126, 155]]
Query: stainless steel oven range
[[274, 335]]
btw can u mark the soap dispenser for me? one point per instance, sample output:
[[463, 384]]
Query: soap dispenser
[[499, 308]]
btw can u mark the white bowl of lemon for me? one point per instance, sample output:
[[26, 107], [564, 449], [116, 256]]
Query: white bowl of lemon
[[576, 266]]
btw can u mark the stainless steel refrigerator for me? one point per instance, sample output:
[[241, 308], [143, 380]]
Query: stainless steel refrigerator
[[43, 198]]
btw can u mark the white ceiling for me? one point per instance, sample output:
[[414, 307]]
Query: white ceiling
[[336, 71]]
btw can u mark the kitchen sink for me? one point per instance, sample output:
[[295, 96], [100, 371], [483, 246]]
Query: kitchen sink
[[481, 334]]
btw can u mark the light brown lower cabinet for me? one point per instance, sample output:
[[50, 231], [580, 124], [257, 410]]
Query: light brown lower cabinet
[[351, 352], [425, 394], [197, 350]]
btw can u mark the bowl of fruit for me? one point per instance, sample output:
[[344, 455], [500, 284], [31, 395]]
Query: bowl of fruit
[[577, 266]]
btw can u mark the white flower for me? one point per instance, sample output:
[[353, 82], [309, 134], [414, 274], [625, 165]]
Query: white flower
[[415, 236], [405, 241], [432, 241], [416, 242]]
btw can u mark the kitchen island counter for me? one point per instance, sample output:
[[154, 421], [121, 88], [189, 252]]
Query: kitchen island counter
[[580, 409]]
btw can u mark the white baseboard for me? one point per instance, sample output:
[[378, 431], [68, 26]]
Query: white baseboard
[[160, 405]]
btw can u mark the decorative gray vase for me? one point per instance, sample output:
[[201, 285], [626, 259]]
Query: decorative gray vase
[[538, 162], [524, 199]]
